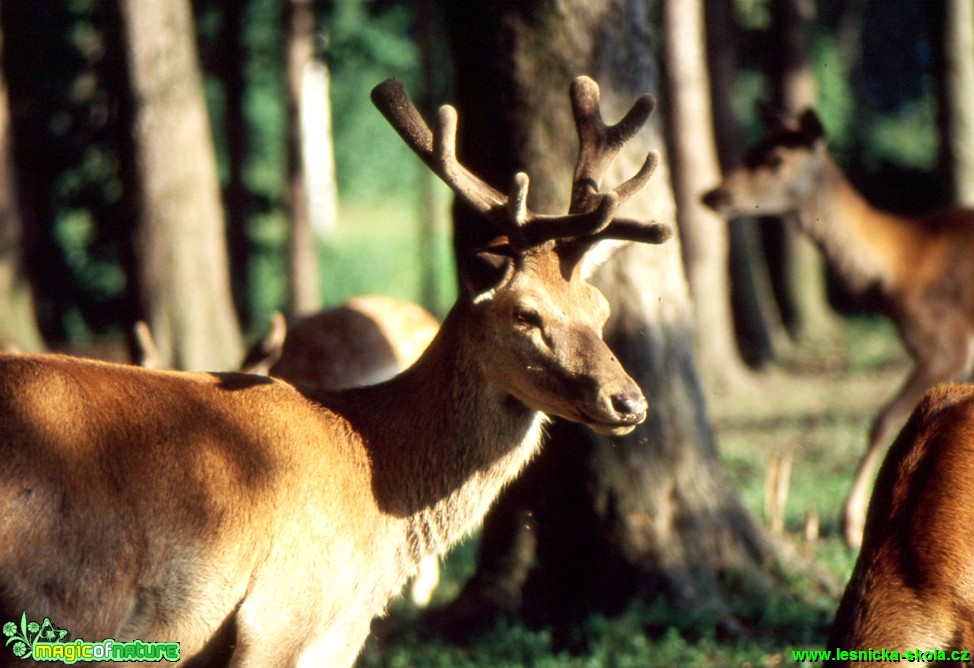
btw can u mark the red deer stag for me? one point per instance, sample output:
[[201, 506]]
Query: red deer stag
[[265, 526], [922, 268], [912, 589]]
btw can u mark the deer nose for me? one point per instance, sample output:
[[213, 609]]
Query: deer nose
[[630, 406]]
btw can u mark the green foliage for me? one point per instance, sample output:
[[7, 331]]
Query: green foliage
[[367, 45], [376, 249]]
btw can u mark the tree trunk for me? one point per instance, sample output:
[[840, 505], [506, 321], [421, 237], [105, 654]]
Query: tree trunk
[[958, 91], [18, 325], [231, 70], [761, 334], [807, 310], [180, 245], [695, 169], [594, 522], [305, 297]]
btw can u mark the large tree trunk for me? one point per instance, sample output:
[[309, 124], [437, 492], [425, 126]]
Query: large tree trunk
[[18, 326], [181, 249], [803, 285], [761, 334], [231, 66], [595, 522], [696, 169]]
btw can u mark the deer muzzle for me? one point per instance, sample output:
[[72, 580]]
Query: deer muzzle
[[719, 200], [616, 412]]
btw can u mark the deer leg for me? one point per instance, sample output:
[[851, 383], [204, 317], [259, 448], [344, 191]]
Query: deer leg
[[925, 376]]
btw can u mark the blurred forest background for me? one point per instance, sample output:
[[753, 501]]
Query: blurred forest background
[[298, 195], [875, 65]]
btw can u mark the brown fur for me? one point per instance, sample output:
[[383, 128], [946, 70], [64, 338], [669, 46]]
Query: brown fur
[[913, 584], [363, 341], [196, 507], [923, 268]]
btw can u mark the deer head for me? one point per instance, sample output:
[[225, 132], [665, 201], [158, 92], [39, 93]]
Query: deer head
[[526, 290], [778, 172]]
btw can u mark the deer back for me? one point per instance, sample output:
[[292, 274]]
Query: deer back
[[913, 583]]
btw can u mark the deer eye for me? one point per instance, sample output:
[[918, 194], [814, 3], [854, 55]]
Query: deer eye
[[527, 317], [774, 160]]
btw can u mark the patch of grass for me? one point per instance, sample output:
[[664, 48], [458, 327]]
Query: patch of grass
[[378, 249]]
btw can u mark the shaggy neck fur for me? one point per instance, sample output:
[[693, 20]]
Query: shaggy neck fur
[[449, 440]]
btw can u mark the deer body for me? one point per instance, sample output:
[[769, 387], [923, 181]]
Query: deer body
[[922, 268], [297, 459], [913, 583], [365, 340], [262, 525]]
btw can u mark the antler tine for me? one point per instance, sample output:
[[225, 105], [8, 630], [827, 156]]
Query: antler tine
[[510, 214], [624, 229], [438, 151], [599, 143], [642, 177]]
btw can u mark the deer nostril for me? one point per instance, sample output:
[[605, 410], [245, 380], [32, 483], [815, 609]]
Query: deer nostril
[[629, 404]]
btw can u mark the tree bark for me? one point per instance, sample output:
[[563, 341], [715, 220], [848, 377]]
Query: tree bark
[[761, 334], [231, 66], [305, 295], [594, 522], [180, 246], [704, 234], [18, 324], [958, 91]]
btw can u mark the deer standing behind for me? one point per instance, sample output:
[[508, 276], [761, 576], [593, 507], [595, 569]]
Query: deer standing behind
[[913, 584], [922, 268], [264, 526], [363, 341]]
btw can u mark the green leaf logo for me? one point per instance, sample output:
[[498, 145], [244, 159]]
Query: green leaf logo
[[27, 634]]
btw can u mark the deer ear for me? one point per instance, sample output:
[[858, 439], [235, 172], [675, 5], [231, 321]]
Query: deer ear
[[811, 126], [486, 269]]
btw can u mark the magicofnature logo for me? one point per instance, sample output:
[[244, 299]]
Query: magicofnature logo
[[45, 642]]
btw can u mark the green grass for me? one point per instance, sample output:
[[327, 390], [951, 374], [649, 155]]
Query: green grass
[[374, 250], [817, 406]]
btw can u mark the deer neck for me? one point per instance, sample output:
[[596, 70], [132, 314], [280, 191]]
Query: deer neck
[[861, 242], [442, 439]]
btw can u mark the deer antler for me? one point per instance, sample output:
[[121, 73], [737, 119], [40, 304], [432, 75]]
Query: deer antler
[[598, 146], [509, 213], [592, 219]]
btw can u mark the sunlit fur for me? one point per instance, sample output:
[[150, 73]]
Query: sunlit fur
[[163, 506], [913, 583]]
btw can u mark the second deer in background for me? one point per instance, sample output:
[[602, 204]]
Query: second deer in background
[[922, 268], [365, 340]]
